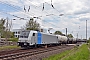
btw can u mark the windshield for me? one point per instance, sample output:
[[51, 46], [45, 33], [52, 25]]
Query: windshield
[[24, 34]]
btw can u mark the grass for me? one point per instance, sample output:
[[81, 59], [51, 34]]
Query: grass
[[78, 53], [9, 47], [58, 56], [89, 44], [13, 39], [81, 54]]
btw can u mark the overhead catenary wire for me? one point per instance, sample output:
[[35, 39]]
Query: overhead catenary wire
[[46, 11], [53, 7], [50, 5], [51, 2], [43, 7], [22, 12], [13, 15], [39, 16], [17, 8], [24, 9], [23, 18], [47, 15], [52, 17], [29, 9], [27, 19]]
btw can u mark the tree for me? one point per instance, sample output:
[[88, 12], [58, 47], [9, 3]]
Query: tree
[[88, 41], [2, 27], [58, 32], [70, 35], [32, 25], [2, 22]]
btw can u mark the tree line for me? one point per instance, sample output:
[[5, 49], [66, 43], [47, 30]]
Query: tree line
[[3, 29]]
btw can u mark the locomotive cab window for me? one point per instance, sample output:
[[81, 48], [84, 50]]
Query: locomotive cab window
[[57, 37], [24, 34], [33, 34]]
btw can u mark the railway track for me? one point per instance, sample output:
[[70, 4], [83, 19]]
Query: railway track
[[27, 53]]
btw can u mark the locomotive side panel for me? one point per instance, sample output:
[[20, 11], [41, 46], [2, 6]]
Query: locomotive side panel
[[41, 38], [49, 39]]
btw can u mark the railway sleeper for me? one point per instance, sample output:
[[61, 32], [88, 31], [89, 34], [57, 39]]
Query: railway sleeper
[[24, 54]]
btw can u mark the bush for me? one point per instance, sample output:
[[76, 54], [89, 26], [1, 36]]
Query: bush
[[88, 41], [13, 39]]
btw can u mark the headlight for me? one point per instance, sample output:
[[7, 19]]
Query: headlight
[[19, 40], [17, 43]]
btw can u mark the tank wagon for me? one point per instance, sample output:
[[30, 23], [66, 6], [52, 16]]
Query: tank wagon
[[29, 38], [62, 39], [81, 40], [72, 40]]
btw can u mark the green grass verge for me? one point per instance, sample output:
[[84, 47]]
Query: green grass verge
[[58, 56], [9, 47], [78, 53], [81, 54]]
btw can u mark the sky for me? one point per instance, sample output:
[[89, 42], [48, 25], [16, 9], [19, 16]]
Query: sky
[[70, 14]]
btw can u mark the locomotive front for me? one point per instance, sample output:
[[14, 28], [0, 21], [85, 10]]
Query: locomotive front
[[23, 39]]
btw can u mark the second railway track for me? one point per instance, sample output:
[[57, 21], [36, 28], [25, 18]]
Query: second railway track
[[27, 53]]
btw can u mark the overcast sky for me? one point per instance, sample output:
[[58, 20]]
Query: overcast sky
[[75, 13]]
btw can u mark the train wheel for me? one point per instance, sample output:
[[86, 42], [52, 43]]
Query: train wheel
[[35, 45], [46, 46]]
